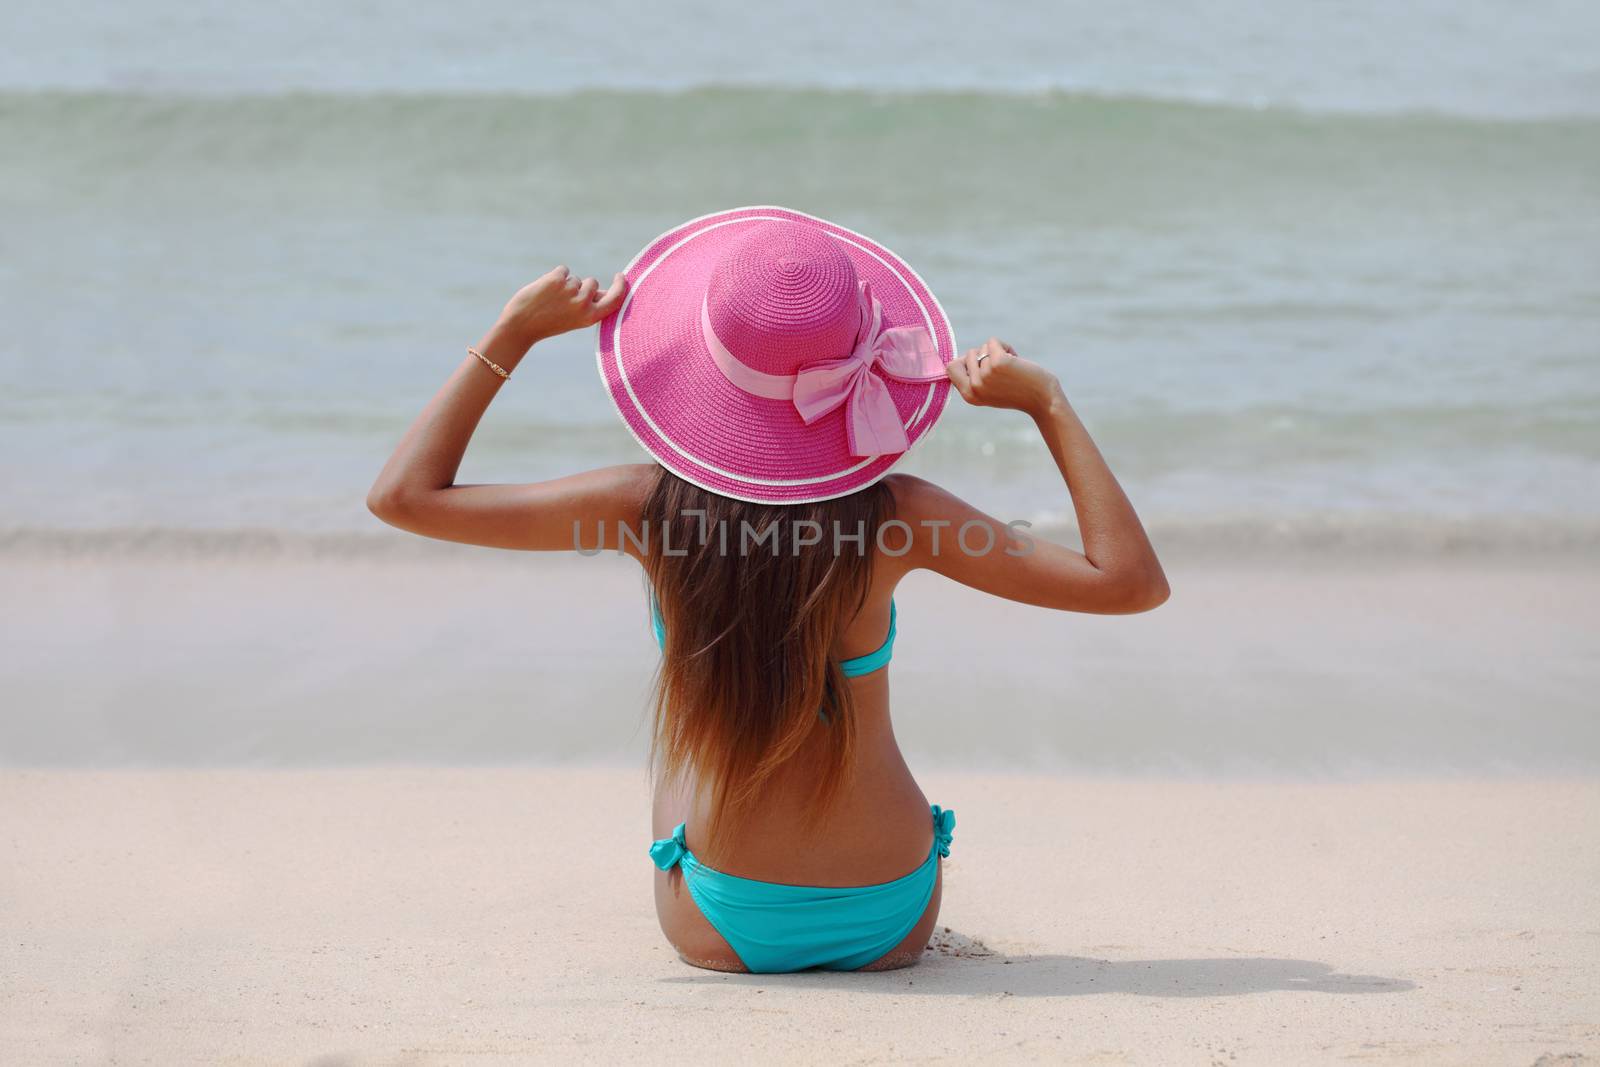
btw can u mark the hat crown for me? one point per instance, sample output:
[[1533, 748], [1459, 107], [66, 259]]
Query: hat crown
[[784, 295]]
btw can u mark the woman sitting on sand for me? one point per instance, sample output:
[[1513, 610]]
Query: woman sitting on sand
[[776, 367]]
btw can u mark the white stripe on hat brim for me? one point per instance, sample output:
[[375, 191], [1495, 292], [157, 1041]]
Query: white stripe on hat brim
[[688, 466]]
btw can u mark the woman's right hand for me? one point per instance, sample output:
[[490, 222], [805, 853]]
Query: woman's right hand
[[994, 376]]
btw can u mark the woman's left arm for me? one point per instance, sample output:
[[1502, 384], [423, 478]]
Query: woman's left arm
[[416, 489]]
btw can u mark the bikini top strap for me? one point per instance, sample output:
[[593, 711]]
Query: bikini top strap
[[879, 657], [656, 624], [852, 667]]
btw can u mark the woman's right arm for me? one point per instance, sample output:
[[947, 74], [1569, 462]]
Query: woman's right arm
[[417, 490], [1116, 573]]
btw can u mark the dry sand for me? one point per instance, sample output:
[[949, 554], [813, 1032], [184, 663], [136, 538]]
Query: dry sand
[[443, 916], [1439, 905]]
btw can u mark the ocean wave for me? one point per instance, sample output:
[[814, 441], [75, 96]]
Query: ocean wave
[[1096, 155], [1162, 438], [1047, 95], [1476, 56]]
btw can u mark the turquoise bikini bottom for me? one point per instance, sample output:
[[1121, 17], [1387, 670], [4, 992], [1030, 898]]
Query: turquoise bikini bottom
[[775, 927]]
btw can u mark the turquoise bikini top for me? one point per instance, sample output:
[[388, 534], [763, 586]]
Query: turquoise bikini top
[[853, 668]]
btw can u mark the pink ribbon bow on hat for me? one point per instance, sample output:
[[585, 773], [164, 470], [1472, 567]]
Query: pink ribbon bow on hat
[[872, 422]]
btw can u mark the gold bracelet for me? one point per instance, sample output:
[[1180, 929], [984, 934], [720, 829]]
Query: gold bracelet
[[491, 364]]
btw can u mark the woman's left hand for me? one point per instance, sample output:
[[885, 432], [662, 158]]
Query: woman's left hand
[[558, 302]]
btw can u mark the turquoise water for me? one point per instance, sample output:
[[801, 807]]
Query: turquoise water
[[1327, 284], [1308, 286]]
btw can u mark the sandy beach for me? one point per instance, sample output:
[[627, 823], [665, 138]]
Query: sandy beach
[[355, 807], [412, 916], [280, 784]]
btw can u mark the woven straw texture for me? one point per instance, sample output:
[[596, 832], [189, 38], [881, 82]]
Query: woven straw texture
[[780, 289]]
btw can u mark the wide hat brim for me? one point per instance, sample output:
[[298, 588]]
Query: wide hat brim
[[661, 376]]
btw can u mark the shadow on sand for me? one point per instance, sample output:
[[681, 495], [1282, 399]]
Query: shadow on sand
[[954, 963]]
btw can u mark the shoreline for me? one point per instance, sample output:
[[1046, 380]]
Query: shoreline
[[1306, 541]]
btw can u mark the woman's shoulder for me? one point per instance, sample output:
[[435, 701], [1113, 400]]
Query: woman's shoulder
[[626, 485], [922, 509], [945, 533], [917, 498], [635, 478]]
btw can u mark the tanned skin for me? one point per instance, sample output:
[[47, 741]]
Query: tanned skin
[[880, 829]]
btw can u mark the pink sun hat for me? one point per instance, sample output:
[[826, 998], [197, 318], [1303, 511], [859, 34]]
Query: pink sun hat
[[775, 357]]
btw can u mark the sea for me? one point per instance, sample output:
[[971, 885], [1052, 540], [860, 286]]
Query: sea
[[1316, 280], [1323, 280]]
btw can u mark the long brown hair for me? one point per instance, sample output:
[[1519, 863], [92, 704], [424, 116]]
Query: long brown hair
[[748, 677]]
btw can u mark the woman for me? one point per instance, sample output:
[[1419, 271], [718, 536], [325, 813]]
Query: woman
[[776, 366]]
